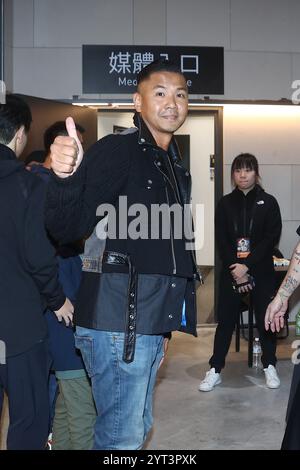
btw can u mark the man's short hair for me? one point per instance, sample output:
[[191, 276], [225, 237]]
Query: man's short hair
[[14, 113], [56, 129], [160, 65]]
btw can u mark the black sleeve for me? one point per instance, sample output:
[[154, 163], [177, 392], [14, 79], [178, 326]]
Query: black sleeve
[[272, 232], [226, 248], [39, 254], [72, 202]]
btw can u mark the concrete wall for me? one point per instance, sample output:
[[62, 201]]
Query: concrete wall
[[261, 39]]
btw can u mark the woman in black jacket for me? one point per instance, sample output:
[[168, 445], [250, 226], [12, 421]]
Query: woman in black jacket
[[248, 227]]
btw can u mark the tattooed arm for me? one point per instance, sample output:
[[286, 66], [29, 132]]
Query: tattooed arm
[[274, 318]]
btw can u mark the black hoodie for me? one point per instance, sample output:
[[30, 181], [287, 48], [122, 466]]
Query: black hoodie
[[235, 214], [28, 267]]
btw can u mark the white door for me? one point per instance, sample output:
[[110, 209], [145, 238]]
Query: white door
[[201, 131]]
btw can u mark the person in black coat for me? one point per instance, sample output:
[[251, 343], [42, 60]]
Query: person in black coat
[[73, 411], [248, 227], [28, 283]]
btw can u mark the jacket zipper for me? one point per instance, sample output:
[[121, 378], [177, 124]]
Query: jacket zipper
[[198, 272], [244, 218], [192, 252], [169, 181], [171, 233], [168, 200], [177, 192]]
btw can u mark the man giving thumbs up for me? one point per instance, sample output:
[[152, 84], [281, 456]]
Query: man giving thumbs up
[[141, 287]]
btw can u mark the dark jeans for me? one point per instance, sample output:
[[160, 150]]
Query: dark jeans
[[25, 380], [228, 314], [123, 392]]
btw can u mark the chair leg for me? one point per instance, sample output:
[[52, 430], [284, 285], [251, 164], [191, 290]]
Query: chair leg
[[250, 332], [237, 336], [242, 326]]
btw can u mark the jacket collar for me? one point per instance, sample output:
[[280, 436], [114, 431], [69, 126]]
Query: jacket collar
[[8, 162], [146, 138], [251, 194], [6, 153]]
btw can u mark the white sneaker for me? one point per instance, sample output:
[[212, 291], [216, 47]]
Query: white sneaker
[[272, 379], [212, 378], [49, 442]]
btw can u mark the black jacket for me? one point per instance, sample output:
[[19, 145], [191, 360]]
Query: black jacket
[[128, 165], [122, 165], [28, 268], [233, 220]]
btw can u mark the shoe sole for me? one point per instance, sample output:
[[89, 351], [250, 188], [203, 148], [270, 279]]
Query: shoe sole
[[211, 389], [271, 387]]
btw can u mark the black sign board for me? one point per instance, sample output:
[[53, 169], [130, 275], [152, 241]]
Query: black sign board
[[113, 69]]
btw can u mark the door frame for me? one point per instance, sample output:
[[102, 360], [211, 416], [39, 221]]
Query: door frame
[[217, 113]]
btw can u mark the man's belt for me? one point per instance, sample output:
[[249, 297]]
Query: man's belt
[[117, 259]]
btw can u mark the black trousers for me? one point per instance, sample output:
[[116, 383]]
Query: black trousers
[[291, 439], [25, 380], [228, 312]]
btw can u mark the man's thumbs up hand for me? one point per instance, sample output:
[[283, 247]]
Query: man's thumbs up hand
[[66, 152], [71, 128]]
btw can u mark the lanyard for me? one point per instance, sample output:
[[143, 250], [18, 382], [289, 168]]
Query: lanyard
[[235, 222]]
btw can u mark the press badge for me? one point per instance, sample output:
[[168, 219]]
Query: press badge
[[243, 247]]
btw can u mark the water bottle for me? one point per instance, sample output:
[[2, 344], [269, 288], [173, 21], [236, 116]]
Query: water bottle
[[256, 353], [298, 324]]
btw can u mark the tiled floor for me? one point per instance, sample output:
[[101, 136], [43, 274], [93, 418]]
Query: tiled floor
[[241, 413]]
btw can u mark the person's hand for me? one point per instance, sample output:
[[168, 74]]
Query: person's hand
[[166, 345], [238, 270], [65, 312], [66, 152], [246, 288], [274, 317]]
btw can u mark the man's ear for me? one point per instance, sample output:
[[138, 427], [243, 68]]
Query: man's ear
[[20, 141], [20, 134], [137, 99]]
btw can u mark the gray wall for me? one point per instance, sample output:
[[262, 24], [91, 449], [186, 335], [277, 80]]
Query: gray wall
[[8, 44], [261, 39]]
